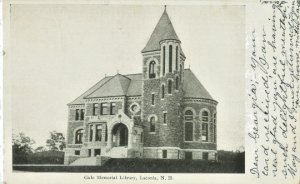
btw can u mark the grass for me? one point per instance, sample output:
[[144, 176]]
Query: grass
[[146, 166]]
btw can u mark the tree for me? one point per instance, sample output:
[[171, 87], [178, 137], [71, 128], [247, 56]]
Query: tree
[[21, 148], [22, 144], [56, 142]]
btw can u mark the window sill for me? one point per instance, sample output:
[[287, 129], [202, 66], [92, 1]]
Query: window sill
[[152, 132]]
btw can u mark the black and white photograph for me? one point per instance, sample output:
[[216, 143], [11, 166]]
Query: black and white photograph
[[127, 88]]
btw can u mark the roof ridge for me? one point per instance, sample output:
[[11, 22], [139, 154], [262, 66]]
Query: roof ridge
[[111, 77], [125, 92]]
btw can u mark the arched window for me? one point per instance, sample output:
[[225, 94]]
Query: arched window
[[152, 69], [170, 58], [163, 91], [204, 118], [164, 60], [188, 126], [176, 58], [169, 87], [177, 83], [78, 136], [152, 124]]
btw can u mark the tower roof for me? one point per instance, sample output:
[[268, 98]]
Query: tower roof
[[164, 30]]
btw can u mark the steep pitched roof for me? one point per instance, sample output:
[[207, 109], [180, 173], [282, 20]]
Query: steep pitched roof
[[164, 30], [80, 100], [131, 85], [116, 86], [192, 87]]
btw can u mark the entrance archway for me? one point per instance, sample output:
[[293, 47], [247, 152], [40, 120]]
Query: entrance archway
[[120, 135]]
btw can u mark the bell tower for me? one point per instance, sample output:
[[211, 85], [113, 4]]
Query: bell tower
[[162, 89]]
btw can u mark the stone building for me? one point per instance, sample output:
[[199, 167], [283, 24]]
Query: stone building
[[163, 112]]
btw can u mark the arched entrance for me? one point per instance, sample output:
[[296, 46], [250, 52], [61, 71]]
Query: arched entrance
[[120, 135]]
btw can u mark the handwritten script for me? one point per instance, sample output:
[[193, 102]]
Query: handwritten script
[[273, 91]]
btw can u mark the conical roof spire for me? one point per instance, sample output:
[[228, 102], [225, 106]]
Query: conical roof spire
[[164, 30]]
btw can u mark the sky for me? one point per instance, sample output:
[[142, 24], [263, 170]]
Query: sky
[[59, 51]]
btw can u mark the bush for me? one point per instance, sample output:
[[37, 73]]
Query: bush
[[45, 157]]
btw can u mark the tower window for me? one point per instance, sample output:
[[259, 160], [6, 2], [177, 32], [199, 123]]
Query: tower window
[[177, 83], [169, 87], [82, 114], [176, 58], [152, 99], [163, 91], [170, 58], [95, 108], [164, 60], [77, 114], [78, 136], [165, 118], [152, 124], [104, 108], [113, 109], [152, 69]]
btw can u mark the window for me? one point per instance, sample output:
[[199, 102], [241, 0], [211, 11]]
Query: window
[[164, 153], [170, 58], [214, 127], [204, 132], [169, 87], [152, 99], [188, 155], [77, 152], [78, 136], [97, 152], [176, 58], [163, 91], [215, 133], [152, 124], [77, 114], [188, 115], [106, 132], [165, 118], [177, 83], [205, 116], [91, 133], [180, 73], [188, 131], [95, 109], [188, 125], [104, 109], [90, 152], [82, 114], [113, 109], [205, 156], [142, 137], [98, 132], [164, 60], [152, 69]]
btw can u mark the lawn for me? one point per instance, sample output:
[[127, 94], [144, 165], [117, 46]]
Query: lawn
[[146, 166]]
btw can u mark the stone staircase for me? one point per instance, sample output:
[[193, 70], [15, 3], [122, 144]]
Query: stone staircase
[[85, 161], [117, 152]]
